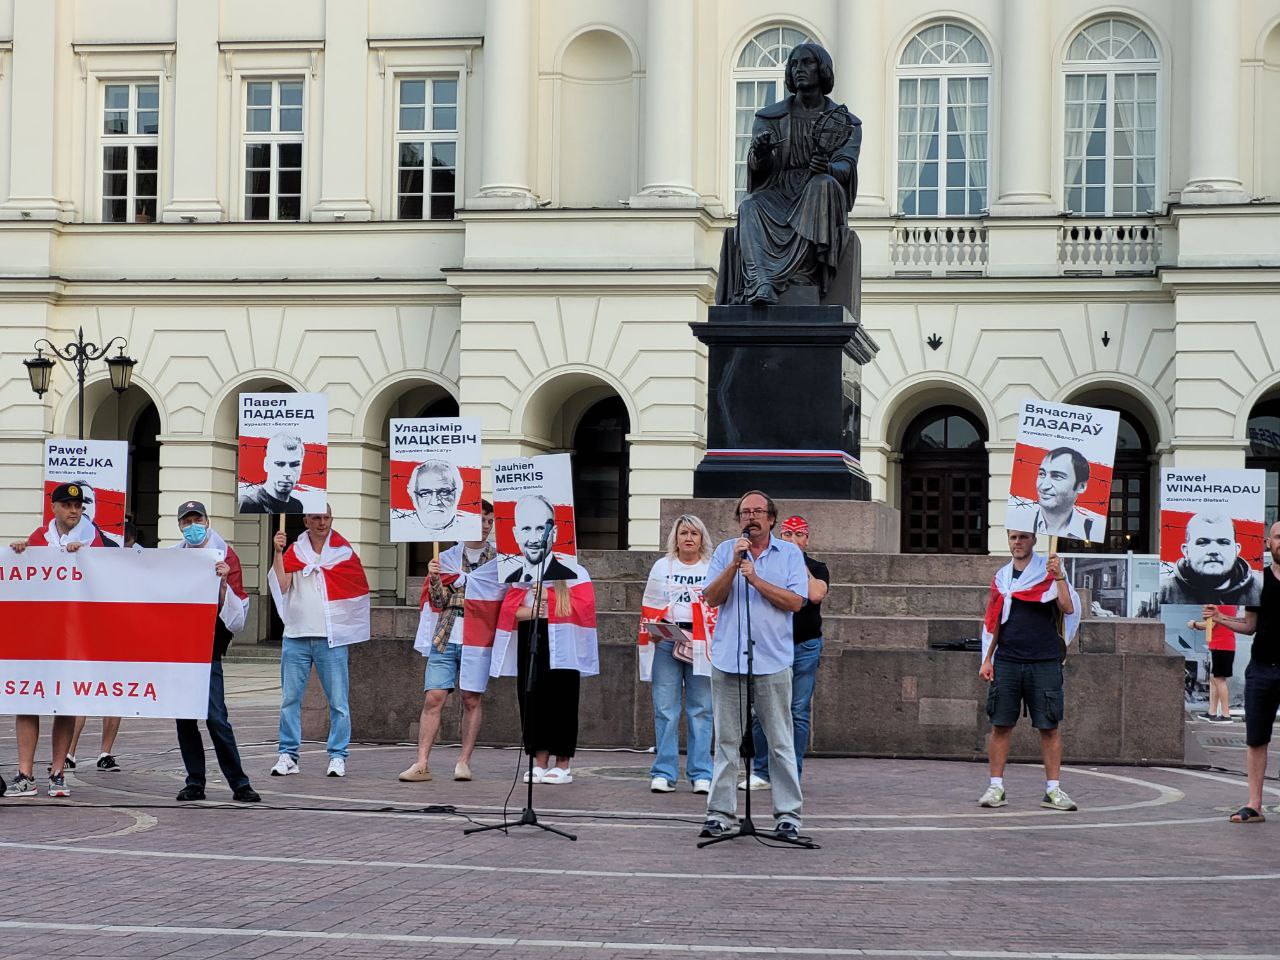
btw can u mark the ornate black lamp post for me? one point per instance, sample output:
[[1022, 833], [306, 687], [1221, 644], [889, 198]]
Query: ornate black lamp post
[[80, 353]]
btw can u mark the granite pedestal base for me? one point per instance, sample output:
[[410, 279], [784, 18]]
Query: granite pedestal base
[[783, 404]]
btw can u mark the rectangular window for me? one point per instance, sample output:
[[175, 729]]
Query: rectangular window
[[942, 146], [273, 150], [749, 96], [426, 148], [130, 152], [1110, 147]]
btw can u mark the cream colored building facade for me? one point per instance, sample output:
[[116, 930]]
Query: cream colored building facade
[[1071, 200]]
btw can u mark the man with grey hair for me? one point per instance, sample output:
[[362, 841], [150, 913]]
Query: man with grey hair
[[1211, 569], [282, 464], [434, 487]]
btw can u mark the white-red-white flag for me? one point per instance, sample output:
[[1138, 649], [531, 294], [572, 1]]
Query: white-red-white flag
[[343, 585], [109, 633]]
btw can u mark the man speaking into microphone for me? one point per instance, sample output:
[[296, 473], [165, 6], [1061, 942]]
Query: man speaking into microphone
[[757, 581]]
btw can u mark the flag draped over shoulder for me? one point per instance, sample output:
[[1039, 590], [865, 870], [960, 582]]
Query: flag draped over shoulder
[[83, 532], [656, 606], [490, 626], [1035, 586], [429, 619], [343, 585]]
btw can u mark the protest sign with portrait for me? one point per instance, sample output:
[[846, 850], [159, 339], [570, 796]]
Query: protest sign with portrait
[[100, 468], [533, 519], [435, 479], [284, 453]]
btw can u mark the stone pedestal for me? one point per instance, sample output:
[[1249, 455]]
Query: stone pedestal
[[783, 404]]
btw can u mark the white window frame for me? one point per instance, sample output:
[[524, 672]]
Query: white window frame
[[426, 137], [1110, 70], [773, 74], [945, 74], [131, 141], [275, 137]]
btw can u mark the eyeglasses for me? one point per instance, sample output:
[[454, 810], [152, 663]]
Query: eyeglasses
[[444, 494], [754, 512]]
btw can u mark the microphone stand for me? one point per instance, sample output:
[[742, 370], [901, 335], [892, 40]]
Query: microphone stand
[[528, 818], [747, 749]]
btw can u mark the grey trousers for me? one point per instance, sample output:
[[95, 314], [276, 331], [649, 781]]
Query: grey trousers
[[773, 707]]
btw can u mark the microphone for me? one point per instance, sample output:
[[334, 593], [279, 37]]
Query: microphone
[[746, 535], [546, 535]]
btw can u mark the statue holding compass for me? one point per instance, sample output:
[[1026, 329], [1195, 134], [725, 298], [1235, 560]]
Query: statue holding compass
[[802, 178]]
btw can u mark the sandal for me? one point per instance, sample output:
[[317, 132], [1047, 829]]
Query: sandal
[[556, 775], [1247, 815]]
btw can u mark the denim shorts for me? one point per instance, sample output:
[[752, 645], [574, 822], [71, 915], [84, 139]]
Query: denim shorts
[[1037, 686], [443, 667], [1261, 702]]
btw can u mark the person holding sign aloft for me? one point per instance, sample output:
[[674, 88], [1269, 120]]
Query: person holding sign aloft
[[1033, 612]]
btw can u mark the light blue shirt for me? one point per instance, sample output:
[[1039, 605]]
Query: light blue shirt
[[781, 564]]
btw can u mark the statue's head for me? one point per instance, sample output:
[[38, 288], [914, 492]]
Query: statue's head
[[826, 70]]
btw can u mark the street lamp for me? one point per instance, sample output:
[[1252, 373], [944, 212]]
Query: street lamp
[[79, 353]]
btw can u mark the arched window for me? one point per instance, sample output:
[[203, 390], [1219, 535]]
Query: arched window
[[944, 483], [1264, 452], [1112, 69], [757, 82], [943, 87]]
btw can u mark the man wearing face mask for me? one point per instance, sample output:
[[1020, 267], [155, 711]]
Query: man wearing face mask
[[233, 610], [70, 531]]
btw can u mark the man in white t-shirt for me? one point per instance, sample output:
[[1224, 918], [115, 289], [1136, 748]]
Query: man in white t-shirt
[[444, 661]]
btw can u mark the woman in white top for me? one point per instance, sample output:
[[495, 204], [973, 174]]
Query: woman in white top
[[673, 594]]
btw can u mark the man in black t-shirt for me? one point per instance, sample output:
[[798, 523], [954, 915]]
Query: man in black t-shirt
[[1023, 663], [1262, 678], [806, 626]]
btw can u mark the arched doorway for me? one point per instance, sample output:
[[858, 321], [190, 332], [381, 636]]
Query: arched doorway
[[142, 503], [945, 477], [1264, 451], [1129, 519], [600, 467]]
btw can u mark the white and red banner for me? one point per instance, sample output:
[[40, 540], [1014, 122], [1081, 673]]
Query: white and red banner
[[106, 633], [1062, 466], [284, 453], [533, 520], [662, 591], [101, 467], [435, 479]]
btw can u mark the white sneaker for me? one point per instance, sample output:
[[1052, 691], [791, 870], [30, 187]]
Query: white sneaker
[[756, 783], [337, 767], [702, 786], [285, 766], [661, 785]]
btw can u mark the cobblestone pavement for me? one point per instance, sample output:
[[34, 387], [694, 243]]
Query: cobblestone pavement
[[367, 867]]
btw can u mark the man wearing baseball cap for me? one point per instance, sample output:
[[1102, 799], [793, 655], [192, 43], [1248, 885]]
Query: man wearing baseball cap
[[806, 625], [69, 530], [233, 611]]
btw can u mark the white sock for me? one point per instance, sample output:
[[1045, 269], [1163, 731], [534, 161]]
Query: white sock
[[998, 782], [1050, 786]]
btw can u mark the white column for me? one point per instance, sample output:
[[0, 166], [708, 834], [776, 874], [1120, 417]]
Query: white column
[[195, 105], [860, 85], [1213, 171], [40, 73], [508, 90], [1023, 176], [668, 106], [343, 189]]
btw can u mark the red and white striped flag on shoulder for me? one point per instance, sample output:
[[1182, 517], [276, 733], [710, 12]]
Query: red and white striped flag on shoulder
[[491, 625], [1034, 585], [343, 585], [450, 574]]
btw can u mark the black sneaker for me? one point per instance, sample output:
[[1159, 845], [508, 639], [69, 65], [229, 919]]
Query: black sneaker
[[191, 792], [108, 762], [786, 830], [246, 794], [713, 828], [69, 763]]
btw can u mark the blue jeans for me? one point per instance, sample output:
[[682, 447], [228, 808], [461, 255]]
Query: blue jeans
[[669, 677], [220, 732], [804, 677], [297, 654]]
